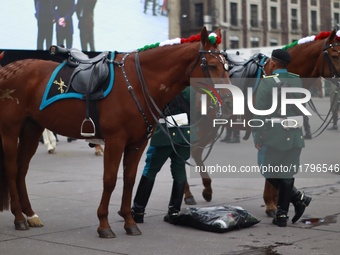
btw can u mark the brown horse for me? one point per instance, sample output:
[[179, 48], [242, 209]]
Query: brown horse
[[207, 136], [320, 57], [145, 80]]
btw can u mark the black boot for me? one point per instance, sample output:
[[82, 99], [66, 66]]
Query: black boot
[[300, 202], [175, 202], [335, 121], [308, 133], [141, 198], [70, 139], [284, 197], [227, 137]]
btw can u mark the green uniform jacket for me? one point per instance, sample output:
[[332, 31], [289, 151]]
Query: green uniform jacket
[[161, 139], [276, 136]]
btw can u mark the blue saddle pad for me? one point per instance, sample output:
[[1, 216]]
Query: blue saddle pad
[[58, 86]]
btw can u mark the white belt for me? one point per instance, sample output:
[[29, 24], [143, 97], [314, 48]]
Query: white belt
[[175, 120]]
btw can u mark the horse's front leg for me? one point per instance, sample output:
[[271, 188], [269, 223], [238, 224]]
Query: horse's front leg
[[270, 199], [28, 143], [112, 156], [197, 154], [131, 159]]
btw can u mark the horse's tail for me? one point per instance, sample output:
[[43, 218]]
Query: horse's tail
[[4, 194]]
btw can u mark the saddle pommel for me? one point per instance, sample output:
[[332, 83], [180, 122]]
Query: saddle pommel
[[58, 50]]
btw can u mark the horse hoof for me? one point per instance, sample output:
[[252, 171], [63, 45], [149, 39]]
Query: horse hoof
[[133, 231], [207, 195], [99, 152], [120, 214], [35, 222], [189, 200], [106, 233], [271, 213], [51, 151], [21, 225]]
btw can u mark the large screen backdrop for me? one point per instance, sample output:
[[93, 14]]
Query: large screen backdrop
[[118, 25]]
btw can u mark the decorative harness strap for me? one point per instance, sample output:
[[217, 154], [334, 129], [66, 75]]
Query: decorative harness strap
[[133, 94]]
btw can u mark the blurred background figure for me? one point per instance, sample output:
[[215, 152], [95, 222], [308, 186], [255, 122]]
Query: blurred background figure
[[164, 8], [98, 149], [85, 13], [153, 6], [334, 99], [50, 141], [63, 11], [43, 14]]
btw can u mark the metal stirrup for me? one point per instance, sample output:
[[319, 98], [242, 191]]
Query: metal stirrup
[[82, 125]]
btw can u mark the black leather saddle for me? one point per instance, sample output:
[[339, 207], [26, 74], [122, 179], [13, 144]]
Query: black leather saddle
[[245, 73], [88, 78], [240, 68], [89, 73], [244, 68]]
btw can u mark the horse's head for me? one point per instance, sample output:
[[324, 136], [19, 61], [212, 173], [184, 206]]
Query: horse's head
[[315, 56], [210, 63], [331, 54], [212, 66]]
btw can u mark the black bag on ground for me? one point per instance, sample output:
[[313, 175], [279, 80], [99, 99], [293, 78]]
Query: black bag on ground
[[218, 219]]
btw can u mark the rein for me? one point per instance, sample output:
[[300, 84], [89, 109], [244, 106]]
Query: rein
[[326, 122], [335, 75]]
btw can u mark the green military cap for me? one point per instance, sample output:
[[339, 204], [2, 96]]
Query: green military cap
[[281, 55]]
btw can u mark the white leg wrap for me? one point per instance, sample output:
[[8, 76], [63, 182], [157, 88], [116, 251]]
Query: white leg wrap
[[32, 217]]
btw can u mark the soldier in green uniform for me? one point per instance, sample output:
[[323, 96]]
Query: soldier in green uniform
[[161, 148], [279, 147], [334, 98]]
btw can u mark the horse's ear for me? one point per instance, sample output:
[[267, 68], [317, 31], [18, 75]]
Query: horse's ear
[[218, 32], [204, 35], [332, 36]]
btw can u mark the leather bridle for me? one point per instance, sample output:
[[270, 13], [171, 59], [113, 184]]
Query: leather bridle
[[332, 69]]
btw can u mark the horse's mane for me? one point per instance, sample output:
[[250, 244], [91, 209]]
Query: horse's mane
[[312, 38], [213, 38]]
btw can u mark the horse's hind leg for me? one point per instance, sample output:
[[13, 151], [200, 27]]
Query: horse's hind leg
[[9, 137], [28, 143]]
